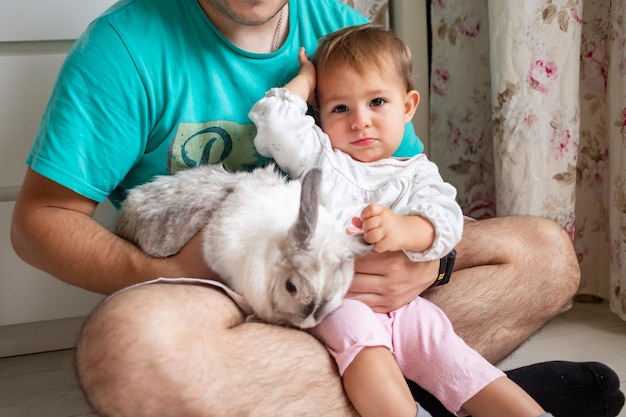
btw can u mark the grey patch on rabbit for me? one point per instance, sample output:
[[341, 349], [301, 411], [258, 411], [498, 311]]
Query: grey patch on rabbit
[[267, 238]]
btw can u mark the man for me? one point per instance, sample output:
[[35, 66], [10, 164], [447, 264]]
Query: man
[[155, 86]]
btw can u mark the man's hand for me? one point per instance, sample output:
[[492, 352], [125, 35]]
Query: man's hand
[[190, 261], [388, 281]]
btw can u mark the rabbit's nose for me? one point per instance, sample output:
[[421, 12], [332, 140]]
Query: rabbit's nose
[[308, 309], [314, 309], [320, 311]]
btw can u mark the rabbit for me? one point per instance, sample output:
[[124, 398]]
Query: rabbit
[[268, 239]]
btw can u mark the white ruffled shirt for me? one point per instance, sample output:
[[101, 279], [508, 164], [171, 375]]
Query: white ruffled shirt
[[408, 186]]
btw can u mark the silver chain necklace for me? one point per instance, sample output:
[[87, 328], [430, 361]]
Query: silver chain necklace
[[278, 29]]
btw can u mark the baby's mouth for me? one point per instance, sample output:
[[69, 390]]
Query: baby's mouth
[[364, 142]]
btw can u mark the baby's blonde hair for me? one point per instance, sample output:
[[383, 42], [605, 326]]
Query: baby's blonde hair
[[364, 47]]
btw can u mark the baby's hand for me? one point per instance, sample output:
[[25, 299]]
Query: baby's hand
[[303, 84], [307, 69], [355, 228], [382, 228]]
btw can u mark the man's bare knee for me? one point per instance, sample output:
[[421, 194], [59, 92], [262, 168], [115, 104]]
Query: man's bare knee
[[132, 349], [552, 246], [513, 274], [173, 350], [538, 248]]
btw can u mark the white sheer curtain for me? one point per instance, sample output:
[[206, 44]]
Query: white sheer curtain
[[528, 117]]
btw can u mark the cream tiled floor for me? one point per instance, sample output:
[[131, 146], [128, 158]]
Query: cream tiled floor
[[44, 385]]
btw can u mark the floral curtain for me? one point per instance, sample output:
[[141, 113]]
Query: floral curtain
[[528, 117]]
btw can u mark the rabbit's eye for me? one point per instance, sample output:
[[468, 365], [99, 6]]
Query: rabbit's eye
[[290, 287]]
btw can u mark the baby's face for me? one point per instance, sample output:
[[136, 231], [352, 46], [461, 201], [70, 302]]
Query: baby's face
[[363, 114]]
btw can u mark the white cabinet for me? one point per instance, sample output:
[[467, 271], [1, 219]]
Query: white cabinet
[[37, 311], [36, 20], [25, 83]]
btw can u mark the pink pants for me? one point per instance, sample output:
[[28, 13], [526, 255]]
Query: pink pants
[[423, 342]]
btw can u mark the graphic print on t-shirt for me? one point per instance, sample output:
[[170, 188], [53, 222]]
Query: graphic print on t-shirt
[[219, 142]]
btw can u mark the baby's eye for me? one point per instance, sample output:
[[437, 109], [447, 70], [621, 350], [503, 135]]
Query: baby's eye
[[377, 102], [340, 109]]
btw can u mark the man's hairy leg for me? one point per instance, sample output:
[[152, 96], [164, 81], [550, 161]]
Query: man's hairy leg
[[512, 275], [184, 350]]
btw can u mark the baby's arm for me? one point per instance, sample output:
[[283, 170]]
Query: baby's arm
[[303, 84], [426, 223], [285, 132], [388, 231]]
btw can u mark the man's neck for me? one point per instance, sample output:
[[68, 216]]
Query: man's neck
[[263, 38]]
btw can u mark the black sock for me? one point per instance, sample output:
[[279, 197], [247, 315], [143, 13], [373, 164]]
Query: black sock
[[568, 389]]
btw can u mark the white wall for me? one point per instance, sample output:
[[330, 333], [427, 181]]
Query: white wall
[[408, 19]]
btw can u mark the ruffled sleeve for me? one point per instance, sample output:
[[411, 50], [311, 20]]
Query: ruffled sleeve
[[285, 132], [435, 200]]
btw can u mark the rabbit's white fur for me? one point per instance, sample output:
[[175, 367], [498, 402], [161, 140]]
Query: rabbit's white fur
[[268, 239]]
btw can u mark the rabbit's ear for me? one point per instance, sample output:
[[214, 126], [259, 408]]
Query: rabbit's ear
[[302, 231]]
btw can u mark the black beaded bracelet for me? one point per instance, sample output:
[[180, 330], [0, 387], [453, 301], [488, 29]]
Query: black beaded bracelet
[[446, 264]]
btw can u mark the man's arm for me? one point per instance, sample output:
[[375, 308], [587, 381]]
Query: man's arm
[[52, 229]]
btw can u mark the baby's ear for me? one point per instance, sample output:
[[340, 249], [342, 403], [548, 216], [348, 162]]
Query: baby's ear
[[411, 101]]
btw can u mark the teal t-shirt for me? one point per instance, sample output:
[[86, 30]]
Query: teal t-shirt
[[152, 87]]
